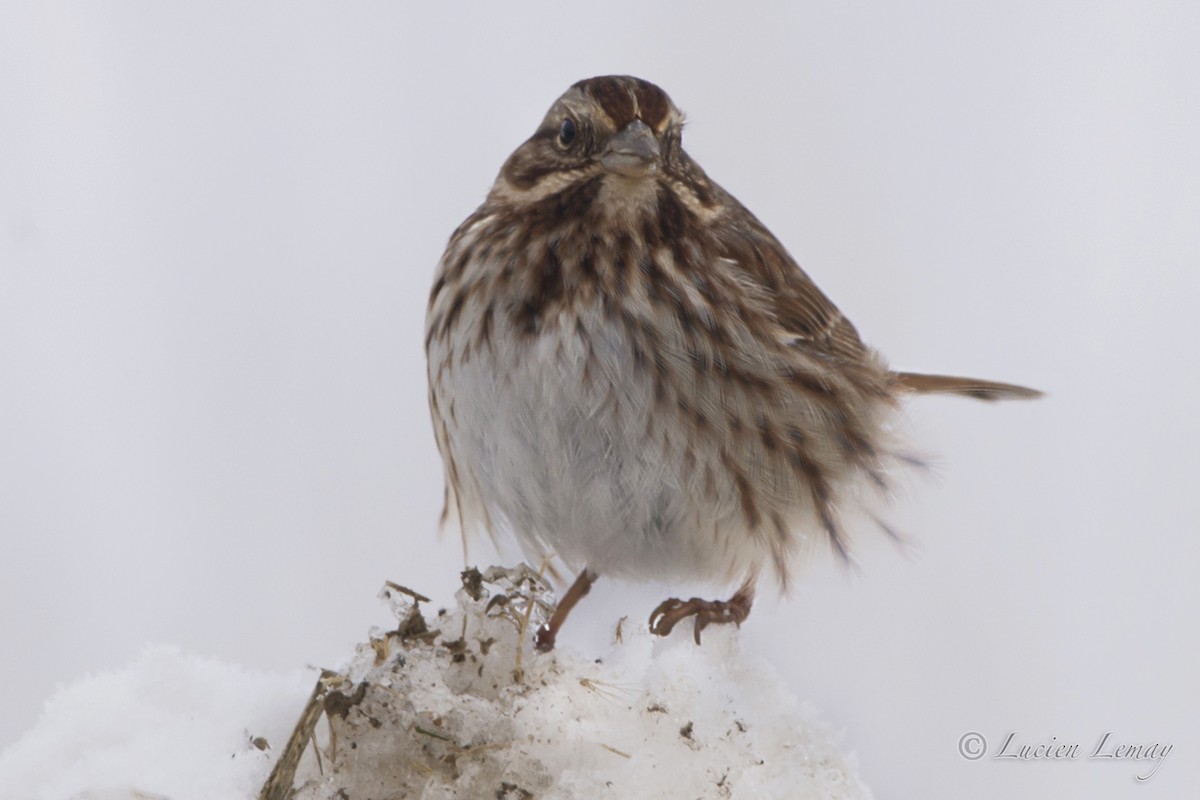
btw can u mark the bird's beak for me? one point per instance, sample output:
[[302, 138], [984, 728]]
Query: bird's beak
[[633, 152]]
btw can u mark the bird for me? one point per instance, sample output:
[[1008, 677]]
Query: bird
[[629, 373]]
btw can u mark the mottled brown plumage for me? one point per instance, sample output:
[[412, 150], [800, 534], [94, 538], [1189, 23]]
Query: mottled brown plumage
[[629, 372]]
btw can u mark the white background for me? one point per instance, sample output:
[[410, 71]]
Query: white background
[[217, 230]]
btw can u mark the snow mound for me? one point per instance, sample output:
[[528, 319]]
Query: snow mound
[[170, 726], [452, 704], [459, 706]]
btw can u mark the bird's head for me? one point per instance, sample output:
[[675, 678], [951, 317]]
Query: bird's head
[[619, 134]]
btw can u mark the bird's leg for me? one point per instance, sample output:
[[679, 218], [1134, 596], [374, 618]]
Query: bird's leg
[[544, 639], [670, 612]]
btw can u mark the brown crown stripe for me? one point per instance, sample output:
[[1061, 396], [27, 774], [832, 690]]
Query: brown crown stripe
[[624, 99]]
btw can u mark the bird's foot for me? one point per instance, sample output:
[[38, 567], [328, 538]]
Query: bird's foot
[[670, 612], [544, 639]]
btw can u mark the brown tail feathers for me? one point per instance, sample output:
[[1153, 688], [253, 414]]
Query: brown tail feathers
[[969, 387]]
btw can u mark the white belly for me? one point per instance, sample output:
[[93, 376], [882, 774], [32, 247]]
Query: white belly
[[556, 439]]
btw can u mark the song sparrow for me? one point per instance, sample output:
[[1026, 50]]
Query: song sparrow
[[629, 372]]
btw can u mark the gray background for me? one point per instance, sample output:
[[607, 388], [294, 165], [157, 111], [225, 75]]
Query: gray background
[[217, 230]]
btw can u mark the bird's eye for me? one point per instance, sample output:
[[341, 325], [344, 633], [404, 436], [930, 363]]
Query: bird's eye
[[566, 132]]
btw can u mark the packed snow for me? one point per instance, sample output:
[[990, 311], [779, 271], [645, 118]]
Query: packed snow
[[169, 725], [449, 704]]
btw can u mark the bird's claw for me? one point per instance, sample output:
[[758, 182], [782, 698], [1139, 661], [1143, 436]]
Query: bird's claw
[[670, 612], [543, 640]]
